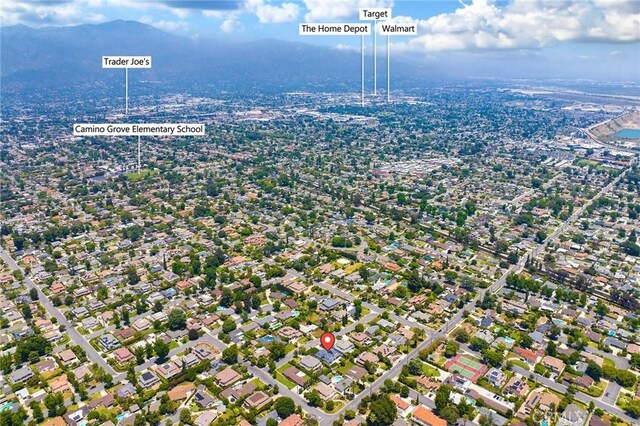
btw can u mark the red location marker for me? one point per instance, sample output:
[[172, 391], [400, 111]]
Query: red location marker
[[327, 340]]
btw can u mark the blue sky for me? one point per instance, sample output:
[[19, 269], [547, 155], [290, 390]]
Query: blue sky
[[602, 36]]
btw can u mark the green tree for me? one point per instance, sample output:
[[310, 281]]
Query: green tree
[[633, 408], [415, 367], [601, 308], [278, 350], [36, 411], [314, 398], [357, 309], [492, 357], [103, 292], [139, 353], [228, 325], [193, 334], [451, 349], [462, 336], [26, 312], [161, 348], [25, 347], [442, 397], [450, 414], [132, 275], [635, 360], [185, 416], [414, 281], [230, 355], [382, 411], [284, 406], [594, 371], [6, 363], [540, 236], [177, 319], [55, 404]]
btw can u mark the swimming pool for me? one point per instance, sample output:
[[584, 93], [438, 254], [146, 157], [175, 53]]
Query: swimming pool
[[266, 339], [6, 406], [336, 379], [122, 416], [509, 340], [275, 326]]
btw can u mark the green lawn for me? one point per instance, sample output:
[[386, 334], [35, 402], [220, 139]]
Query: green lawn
[[485, 384], [336, 407], [520, 363], [596, 390], [288, 383], [280, 377], [429, 370], [347, 366], [135, 176]]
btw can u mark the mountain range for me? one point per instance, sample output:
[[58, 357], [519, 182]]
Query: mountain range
[[70, 57]]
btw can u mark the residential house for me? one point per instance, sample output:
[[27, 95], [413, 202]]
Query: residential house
[[296, 376], [572, 416], [206, 418], [310, 363], [21, 375], [123, 355], [148, 379], [257, 401], [227, 377], [67, 357], [425, 417], [554, 364]]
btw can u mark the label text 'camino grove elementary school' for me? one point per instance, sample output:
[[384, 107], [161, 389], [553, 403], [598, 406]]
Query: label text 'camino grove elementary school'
[[145, 129]]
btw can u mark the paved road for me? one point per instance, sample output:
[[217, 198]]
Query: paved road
[[110, 328], [371, 307], [211, 337], [422, 398], [621, 363], [457, 318], [322, 417], [610, 395], [316, 342], [586, 399], [75, 336]]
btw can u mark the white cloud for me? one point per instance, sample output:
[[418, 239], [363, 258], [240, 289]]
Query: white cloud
[[270, 14], [42, 13], [339, 9], [176, 27], [347, 47], [527, 24], [217, 14], [265, 12], [181, 13], [231, 24]]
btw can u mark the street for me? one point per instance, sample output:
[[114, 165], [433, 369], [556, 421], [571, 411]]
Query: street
[[75, 336]]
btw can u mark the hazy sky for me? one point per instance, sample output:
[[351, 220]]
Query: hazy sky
[[588, 38]]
